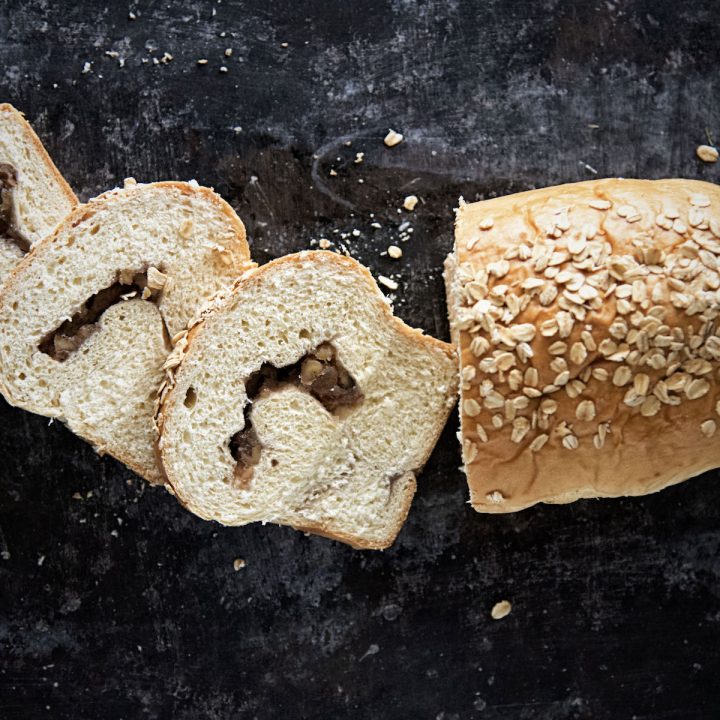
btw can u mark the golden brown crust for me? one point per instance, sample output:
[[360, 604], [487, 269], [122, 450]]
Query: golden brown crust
[[254, 277], [8, 109], [589, 340]]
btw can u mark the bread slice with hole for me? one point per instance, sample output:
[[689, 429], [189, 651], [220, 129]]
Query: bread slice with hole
[[34, 196], [587, 322], [302, 400], [86, 319]]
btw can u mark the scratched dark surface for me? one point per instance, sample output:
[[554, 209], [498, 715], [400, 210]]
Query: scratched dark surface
[[122, 605]]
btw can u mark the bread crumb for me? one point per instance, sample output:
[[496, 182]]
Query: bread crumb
[[359, 157], [387, 282], [356, 233], [393, 138], [238, 564], [394, 252], [223, 69], [166, 58], [228, 52], [129, 182], [410, 202], [372, 650], [324, 243], [333, 173], [202, 61], [500, 610], [707, 153], [132, 16], [87, 67]]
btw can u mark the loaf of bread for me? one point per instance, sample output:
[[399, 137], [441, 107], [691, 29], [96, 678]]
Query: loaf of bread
[[301, 400], [586, 320], [34, 196], [87, 318]]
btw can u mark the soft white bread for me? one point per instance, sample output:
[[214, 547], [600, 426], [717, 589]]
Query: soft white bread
[[586, 318], [331, 442], [87, 317], [35, 196]]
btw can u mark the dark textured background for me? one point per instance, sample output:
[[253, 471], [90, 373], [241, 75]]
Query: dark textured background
[[122, 605]]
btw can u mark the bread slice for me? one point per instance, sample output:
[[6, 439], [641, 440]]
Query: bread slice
[[86, 320], [587, 318], [301, 400], [34, 196]]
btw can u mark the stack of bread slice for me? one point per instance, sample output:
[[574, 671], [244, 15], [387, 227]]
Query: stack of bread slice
[[301, 400]]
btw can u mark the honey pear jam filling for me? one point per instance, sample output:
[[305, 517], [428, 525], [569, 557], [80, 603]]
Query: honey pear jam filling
[[9, 230], [319, 373], [62, 342]]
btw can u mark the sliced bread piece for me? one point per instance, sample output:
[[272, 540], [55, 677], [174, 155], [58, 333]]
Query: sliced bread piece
[[301, 400], [34, 196], [86, 320]]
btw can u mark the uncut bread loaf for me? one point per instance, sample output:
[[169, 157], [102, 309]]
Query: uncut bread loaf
[[87, 318], [586, 318], [302, 401], [34, 196]]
